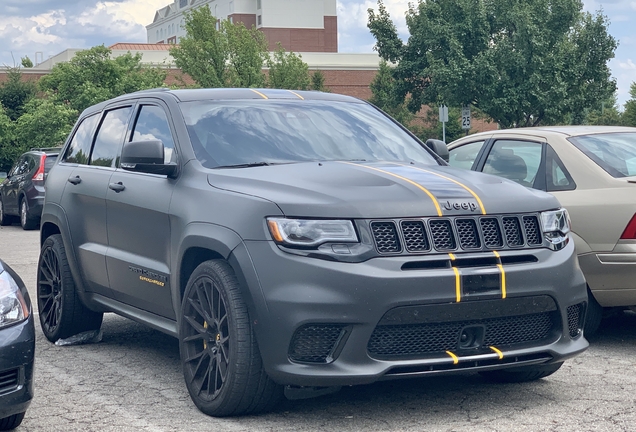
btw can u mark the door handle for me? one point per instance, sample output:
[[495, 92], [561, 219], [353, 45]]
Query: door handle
[[117, 187], [75, 180]]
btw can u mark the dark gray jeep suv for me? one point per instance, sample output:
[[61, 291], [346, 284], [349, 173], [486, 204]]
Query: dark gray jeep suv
[[296, 242]]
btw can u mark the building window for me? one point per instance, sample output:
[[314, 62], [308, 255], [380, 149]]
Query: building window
[[259, 20], [183, 3], [231, 7], [258, 4], [231, 18], [172, 40]]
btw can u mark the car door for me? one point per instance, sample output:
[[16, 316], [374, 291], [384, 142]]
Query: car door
[[12, 184], [91, 162], [138, 206]]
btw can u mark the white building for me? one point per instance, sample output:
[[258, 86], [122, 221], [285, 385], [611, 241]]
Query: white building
[[299, 25]]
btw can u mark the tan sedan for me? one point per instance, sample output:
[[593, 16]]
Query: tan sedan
[[592, 171]]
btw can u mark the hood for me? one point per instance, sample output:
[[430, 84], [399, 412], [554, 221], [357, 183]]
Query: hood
[[380, 190]]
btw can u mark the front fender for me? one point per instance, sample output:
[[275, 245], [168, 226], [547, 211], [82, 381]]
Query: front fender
[[54, 219]]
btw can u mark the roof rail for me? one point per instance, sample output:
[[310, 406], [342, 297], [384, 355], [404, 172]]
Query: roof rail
[[45, 149], [158, 89]]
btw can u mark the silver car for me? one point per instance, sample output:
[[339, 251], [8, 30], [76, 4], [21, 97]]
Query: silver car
[[592, 172]]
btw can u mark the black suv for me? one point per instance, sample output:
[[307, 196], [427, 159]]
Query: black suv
[[22, 192], [296, 242]]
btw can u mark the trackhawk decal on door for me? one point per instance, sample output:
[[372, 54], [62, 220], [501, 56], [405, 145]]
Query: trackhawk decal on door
[[149, 276]]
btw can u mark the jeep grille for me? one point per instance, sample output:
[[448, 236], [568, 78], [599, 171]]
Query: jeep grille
[[456, 234]]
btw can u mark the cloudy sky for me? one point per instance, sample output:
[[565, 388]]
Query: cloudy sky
[[48, 27]]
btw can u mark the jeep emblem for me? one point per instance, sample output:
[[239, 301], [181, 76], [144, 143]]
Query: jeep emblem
[[461, 205]]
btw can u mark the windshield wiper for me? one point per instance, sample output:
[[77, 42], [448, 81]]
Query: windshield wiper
[[246, 165]]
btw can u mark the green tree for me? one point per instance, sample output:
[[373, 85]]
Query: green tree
[[318, 81], [8, 150], [287, 70], [629, 114], [26, 62], [230, 56], [92, 76], [521, 63], [384, 95], [606, 114], [45, 123], [431, 127], [16, 92], [247, 54]]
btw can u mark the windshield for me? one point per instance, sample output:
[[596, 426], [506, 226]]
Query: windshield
[[614, 152], [233, 133]]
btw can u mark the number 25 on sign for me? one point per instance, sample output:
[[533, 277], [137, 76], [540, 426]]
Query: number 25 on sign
[[466, 118]]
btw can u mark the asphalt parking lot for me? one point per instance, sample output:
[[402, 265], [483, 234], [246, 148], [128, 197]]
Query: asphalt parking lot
[[132, 381]]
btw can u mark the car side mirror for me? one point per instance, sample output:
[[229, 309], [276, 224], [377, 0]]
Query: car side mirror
[[147, 157], [438, 147]]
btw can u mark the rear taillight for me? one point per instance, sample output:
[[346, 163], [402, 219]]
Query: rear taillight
[[39, 174], [630, 230]]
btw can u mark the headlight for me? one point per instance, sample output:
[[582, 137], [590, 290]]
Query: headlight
[[309, 233], [13, 307], [556, 226]]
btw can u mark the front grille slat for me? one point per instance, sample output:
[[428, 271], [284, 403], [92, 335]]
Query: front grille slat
[[415, 238], [512, 230], [442, 234], [467, 233], [457, 233], [386, 237]]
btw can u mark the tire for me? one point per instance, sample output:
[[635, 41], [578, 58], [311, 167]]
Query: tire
[[27, 222], [522, 374], [593, 316], [5, 219], [62, 313], [221, 362], [11, 422]]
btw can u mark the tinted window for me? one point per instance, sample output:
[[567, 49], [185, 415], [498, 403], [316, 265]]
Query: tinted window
[[247, 131], [80, 146], [110, 137], [49, 162], [32, 163], [21, 167], [518, 161], [464, 156], [152, 124], [614, 152]]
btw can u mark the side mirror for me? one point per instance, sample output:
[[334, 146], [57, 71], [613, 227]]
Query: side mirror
[[438, 147], [147, 157]]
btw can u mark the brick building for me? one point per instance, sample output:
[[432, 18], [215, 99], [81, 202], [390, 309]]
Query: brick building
[[299, 25]]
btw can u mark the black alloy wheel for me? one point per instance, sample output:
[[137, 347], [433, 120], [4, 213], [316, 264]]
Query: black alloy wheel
[[62, 313], [49, 291], [208, 338], [221, 362]]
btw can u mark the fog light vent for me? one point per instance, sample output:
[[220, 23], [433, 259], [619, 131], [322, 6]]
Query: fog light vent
[[575, 322], [315, 343]]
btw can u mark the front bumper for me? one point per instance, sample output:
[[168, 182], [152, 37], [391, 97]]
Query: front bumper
[[290, 293], [17, 351]]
